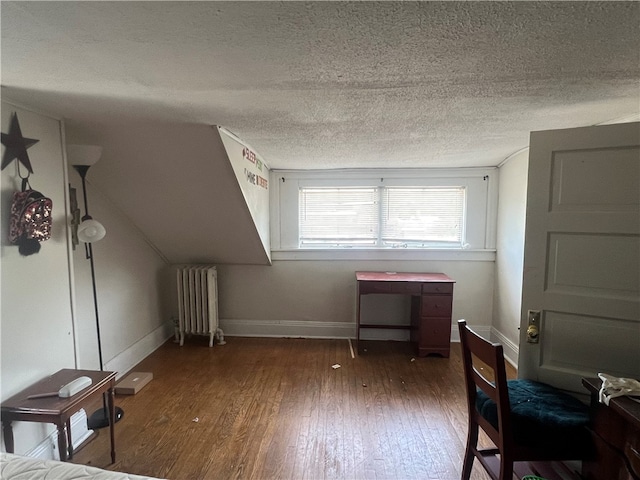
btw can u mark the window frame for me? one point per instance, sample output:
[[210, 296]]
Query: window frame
[[479, 231]]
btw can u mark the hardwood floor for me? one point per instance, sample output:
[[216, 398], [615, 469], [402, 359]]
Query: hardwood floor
[[264, 408]]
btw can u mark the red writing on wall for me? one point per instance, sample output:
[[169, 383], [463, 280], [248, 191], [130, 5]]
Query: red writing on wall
[[256, 179], [252, 157], [249, 155]]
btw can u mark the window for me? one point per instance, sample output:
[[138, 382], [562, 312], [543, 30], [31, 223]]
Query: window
[[421, 217], [381, 217], [338, 216], [382, 212]]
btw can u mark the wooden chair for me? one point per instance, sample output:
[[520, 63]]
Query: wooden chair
[[527, 421]]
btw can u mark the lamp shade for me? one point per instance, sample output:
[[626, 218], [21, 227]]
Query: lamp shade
[[83, 154], [90, 231]]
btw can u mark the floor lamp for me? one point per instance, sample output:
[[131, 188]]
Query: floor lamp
[[90, 231]]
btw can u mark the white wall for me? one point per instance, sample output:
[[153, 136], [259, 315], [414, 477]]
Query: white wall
[[36, 324], [318, 298], [512, 199], [131, 289], [47, 303]]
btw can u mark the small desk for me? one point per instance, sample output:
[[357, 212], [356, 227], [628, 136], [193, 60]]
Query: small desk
[[431, 303], [58, 410], [616, 436]]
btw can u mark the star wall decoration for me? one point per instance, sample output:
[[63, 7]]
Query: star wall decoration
[[16, 145]]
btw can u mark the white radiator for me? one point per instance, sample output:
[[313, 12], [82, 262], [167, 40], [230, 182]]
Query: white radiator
[[198, 302]]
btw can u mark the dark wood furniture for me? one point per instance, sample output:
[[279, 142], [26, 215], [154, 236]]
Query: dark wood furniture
[[431, 302], [616, 434], [58, 410], [514, 415]]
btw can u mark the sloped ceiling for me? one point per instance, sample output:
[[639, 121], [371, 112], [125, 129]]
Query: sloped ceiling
[[314, 85], [176, 183]]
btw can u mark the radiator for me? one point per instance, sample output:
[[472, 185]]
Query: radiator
[[198, 302]]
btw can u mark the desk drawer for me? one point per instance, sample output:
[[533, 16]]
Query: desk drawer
[[407, 288], [437, 287], [436, 306], [632, 452], [435, 332]]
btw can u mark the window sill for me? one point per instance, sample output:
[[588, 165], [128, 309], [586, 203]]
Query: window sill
[[386, 254]]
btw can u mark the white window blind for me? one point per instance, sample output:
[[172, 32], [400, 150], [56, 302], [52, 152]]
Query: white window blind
[[381, 216], [422, 216], [338, 216]]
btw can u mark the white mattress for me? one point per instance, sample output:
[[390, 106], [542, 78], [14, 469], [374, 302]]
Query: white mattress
[[16, 467]]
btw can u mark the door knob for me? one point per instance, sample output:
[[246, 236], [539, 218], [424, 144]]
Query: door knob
[[533, 331]]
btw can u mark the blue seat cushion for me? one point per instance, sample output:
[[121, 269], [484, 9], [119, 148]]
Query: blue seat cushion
[[543, 417]]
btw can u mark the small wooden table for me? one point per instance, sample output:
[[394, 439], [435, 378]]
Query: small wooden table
[[58, 410], [431, 303]]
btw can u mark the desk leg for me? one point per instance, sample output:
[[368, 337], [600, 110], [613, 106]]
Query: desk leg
[[62, 442], [7, 430], [358, 322], [112, 422]]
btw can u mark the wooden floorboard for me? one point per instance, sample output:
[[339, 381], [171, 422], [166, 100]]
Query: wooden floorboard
[[265, 408]]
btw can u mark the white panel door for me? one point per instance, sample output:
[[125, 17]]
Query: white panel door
[[582, 255]]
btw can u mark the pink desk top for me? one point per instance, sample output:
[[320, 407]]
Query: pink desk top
[[402, 277]]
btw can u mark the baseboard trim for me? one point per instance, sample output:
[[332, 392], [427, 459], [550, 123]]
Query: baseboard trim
[[311, 329], [126, 360], [511, 350], [483, 330], [48, 448], [287, 328], [493, 335]]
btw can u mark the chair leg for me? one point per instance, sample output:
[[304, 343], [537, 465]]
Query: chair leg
[[506, 468], [472, 444]]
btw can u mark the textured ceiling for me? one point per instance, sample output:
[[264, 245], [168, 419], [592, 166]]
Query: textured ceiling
[[332, 84]]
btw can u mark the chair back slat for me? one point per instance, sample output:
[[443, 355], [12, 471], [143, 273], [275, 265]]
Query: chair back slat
[[485, 385]]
